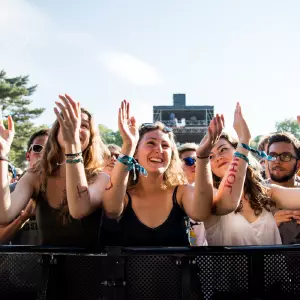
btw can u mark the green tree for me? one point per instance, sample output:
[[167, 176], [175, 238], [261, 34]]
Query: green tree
[[255, 141], [109, 136], [289, 125], [13, 101]]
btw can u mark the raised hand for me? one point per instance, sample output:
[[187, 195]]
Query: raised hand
[[127, 125], [6, 136], [69, 119], [214, 132], [240, 126]]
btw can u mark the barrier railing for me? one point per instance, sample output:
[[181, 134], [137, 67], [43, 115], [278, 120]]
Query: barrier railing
[[150, 273]]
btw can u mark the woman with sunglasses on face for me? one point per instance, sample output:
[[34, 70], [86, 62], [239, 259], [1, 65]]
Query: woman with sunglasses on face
[[67, 175], [249, 220], [148, 193]]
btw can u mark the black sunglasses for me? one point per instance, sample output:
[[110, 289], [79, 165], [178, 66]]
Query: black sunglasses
[[151, 126], [36, 148], [116, 155], [189, 161], [285, 156]]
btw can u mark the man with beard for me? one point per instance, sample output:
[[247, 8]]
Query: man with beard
[[283, 171]]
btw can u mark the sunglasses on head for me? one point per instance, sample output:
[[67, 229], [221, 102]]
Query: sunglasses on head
[[36, 148], [151, 126], [189, 161], [285, 156]]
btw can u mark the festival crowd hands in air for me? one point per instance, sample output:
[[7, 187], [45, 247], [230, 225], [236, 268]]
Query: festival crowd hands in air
[[145, 197]]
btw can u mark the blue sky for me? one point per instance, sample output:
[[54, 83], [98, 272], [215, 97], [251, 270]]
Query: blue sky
[[101, 52]]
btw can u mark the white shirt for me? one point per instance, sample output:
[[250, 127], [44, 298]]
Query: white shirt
[[235, 230]]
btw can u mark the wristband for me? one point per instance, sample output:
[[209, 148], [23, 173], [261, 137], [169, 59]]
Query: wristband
[[132, 164]]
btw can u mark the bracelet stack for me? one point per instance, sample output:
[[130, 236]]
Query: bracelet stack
[[74, 158]]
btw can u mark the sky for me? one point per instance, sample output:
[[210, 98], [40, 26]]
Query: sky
[[101, 52]]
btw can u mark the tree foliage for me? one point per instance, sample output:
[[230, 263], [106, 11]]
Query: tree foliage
[[109, 136], [290, 125], [13, 101]]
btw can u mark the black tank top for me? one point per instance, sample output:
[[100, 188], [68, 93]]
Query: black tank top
[[58, 231], [173, 232]]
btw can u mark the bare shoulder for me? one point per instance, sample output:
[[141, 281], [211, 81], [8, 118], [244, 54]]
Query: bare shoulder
[[184, 191]]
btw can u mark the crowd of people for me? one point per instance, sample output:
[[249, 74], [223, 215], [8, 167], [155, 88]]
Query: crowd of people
[[77, 191]]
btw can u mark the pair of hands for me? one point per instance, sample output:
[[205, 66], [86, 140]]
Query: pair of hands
[[69, 120], [216, 127], [283, 216], [130, 134]]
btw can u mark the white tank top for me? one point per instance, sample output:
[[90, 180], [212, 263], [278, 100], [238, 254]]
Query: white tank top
[[234, 230]]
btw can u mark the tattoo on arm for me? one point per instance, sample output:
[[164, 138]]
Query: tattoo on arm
[[230, 180], [82, 190]]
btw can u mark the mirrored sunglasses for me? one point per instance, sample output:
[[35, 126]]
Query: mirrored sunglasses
[[189, 161]]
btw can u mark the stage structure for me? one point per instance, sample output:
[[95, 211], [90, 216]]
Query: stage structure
[[189, 123]]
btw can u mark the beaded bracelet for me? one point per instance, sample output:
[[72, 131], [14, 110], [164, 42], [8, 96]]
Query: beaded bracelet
[[73, 154], [74, 161]]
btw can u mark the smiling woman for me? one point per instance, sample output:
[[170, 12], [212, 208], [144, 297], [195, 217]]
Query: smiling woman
[[152, 209], [66, 177], [241, 192]]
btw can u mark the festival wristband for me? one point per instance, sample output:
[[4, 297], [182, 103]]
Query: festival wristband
[[260, 154], [242, 156], [132, 164]]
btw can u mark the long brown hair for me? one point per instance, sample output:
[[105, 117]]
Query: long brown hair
[[254, 191], [92, 155], [174, 174]]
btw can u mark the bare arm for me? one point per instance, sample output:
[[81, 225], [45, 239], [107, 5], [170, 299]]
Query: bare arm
[[231, 188], [285, 198], [7, 232], [198, 203], [12, 204], [230, 191], [113, 201]]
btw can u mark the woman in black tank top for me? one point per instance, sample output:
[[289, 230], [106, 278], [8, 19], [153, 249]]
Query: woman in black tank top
[[67, 176], [152, 209]]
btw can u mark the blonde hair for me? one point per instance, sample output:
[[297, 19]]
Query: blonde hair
[[174, 174], [186, 147]]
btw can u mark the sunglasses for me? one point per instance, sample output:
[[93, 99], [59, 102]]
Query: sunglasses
[[189, 161], [115, 155], [36, 148], [285, 156], [151, 126]]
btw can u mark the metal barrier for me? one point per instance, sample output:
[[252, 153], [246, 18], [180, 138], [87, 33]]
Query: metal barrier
[[150, 273]]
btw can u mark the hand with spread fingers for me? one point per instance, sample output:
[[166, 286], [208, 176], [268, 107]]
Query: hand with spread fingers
[[240, 126], [6, 136], [127, 125], [69, 119], [214, 132]]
